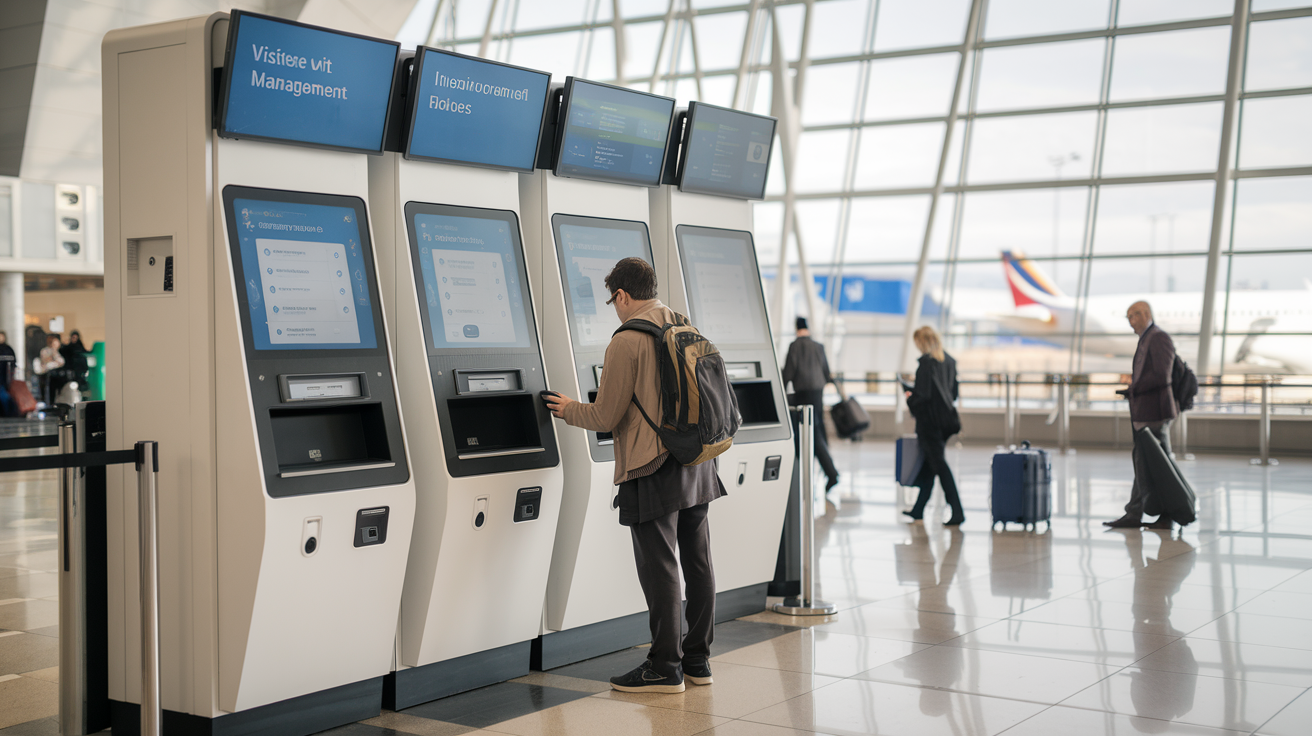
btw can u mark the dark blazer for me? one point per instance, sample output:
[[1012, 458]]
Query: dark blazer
[[931, 400], [806, 366], [1150, 395]]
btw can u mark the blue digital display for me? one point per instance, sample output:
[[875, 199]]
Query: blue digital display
[[727, 152], [307, 287], [613, 134], [472, 281], [301, 84], [589, 248], [470, 111]]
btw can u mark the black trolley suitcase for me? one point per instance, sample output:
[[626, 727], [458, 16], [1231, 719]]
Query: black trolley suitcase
[[1022, 486], [849, 417]]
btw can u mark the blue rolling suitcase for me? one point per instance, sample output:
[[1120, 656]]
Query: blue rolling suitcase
[[908, 460], [1022, 487]]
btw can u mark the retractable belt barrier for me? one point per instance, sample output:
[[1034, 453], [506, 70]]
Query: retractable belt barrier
[[72, 573], [806, 604]]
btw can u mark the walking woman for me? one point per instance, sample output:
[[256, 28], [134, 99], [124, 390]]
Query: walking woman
[[931, 403]]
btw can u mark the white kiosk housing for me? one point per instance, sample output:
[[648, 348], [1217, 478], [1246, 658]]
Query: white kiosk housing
[[247, 336], [469, 364], [603, 145], [706, 260]]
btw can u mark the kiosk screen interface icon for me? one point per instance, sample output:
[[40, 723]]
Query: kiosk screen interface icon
[[726, 153], [302, 261], [613, 134], [470, 271], [724, 285], [589, 248], [475, 112], [283, 78]]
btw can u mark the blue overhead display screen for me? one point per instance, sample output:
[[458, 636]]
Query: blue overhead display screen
[[589, 248], [613, 134], [301, 84], [476, 112], [303, 267], [724, 285], [727, 152], [471, 276]]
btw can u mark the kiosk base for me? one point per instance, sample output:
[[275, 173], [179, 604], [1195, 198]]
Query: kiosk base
[[417, 685], [300, 716], [559, 648]]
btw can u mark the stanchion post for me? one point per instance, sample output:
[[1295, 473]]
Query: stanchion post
[[1264, 426], [806, 603], [1064, 416], [72, 593], [147, 473]]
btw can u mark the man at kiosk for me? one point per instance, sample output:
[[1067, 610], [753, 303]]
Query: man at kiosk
[[663, 503]]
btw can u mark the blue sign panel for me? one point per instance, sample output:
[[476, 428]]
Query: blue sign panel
[[300, 84], [307, 287], [727, 152], [470, 111], [613, 134]]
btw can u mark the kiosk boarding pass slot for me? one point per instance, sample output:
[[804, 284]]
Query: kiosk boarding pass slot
[[309, 387], [740, 371], [476, 382]]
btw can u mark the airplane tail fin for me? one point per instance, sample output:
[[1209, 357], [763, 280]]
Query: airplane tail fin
[[1028, 284]]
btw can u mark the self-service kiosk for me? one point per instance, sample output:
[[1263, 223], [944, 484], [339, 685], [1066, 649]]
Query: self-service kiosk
[[469, 364], [706, 260], [584, 210], [247, 336]]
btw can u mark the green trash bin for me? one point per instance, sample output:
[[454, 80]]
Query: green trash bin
[[96, 372]]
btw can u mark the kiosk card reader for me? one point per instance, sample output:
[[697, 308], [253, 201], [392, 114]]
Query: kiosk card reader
[[585, 208], [469, 364], [706, 258], [262, 365]]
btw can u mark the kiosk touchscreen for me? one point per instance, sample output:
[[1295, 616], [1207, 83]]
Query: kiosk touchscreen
[[249, 340], [706, 257], [469, 363], [585, 208]]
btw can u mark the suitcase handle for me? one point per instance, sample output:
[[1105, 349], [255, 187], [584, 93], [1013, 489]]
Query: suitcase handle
[[1025, 444]]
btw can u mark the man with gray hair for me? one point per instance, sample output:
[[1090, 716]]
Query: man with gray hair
[[1152, 405]]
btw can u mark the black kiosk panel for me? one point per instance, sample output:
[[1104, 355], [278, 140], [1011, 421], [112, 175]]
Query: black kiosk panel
[[284, 79], [471, 111], [725, 152], [588, 248], [726, 303], [320, 379], [481, 339], [612, 134]]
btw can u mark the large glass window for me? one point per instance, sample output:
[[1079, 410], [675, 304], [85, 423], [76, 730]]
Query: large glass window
[[1279, 54], [894, 156], [1273, 214], [1174, 64], [1143, 12], [1162, 140], [1154, 218], [1275, 132], [1041, 75], [1032, 147], [1011, 18], [911, 87]]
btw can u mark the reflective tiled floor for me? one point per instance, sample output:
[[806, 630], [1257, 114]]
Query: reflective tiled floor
[[1075, 631]]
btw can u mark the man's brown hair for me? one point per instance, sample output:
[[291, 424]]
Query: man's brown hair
[[635, 276]]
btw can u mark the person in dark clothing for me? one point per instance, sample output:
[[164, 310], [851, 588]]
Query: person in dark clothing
[[75, 354], [1152, 405], [931, 403], [808, 370], [663, 503], [8, 361]]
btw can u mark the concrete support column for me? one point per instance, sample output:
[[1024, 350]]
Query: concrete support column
[[12, 311]]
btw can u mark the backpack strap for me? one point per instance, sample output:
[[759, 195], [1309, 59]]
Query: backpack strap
[[641, 325]]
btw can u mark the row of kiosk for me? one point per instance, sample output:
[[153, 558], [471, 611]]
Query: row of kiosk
[[337, 277]]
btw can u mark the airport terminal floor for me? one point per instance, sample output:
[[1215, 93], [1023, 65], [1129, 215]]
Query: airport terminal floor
[[1076, 631]]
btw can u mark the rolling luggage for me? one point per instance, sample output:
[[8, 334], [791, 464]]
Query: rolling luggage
[[1022, 487], [849, 417], [22, 397]]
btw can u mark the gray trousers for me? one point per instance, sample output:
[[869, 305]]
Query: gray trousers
[[1139, 492], [654, 544]]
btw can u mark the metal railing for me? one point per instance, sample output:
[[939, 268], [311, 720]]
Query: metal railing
[[73, 634]]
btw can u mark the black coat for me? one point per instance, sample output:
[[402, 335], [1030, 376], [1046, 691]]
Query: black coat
[[931, 400]]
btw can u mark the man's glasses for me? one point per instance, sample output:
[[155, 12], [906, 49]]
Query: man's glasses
[[613, 296]]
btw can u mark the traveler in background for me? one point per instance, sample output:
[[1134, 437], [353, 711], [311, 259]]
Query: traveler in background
[[663, 503], [75, 355], [8, 361], [1152, 405], [808, 370], [8, 369], [47, 361], [931, 403]]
